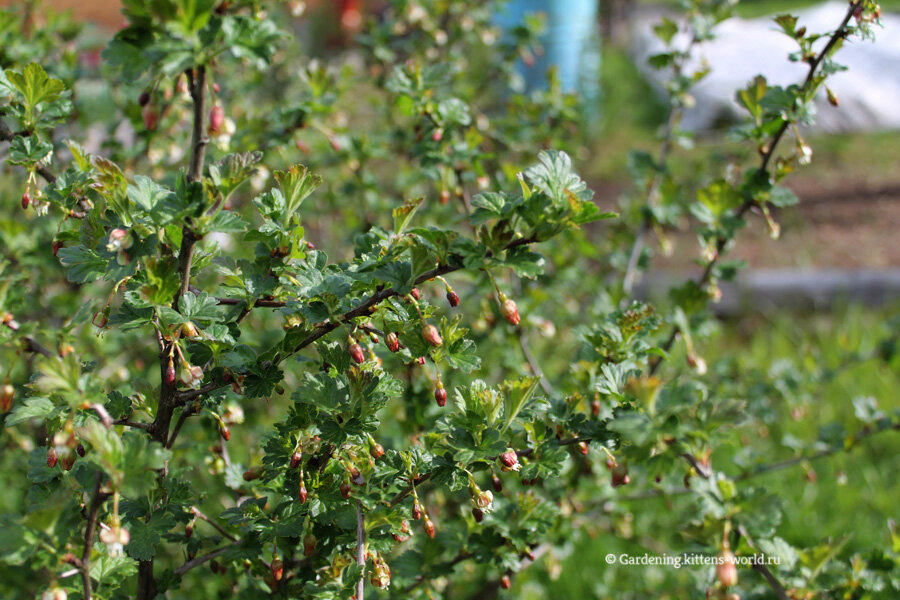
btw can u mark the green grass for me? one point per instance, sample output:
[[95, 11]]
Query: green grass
[[852, 496]]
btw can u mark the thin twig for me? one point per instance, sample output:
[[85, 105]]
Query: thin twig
[[32, 345], [763, 569], [777, 466], [135, 424], [368, 305], [185, 413], [84, 565], [196, 512], [204, 558], [360, 550], [533, 364], [767, 155]]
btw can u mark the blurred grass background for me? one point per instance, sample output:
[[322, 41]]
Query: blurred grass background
[[848, 495]]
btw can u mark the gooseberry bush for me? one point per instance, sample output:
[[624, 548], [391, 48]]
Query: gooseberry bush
[[272, 335]]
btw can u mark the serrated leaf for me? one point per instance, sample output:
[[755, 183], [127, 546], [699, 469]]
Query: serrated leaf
[[32, 408], [297, 183], [403, 214], [83, 265]]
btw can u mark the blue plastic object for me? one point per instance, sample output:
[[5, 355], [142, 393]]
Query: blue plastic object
[[570, 43]]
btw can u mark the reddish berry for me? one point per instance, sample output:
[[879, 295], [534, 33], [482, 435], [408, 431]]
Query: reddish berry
[[392, 342], [428, 526], [80, 450], [432, 336], [610, 463], [170, 375], [356, 353], [7, 394], [277, 568], [583, 448], [509, 459], [144, 99], [453, 298], [498, 485], [302, 493], [67, 460], [189, 330], [26, 200], [296, 458], [438, 134], [440, 395], [478, 514], [376, 451], [251, 475], [356, 477], [620, 477], [345, 490], [216, 119], [55, 246], [510, 311], [52, 457], [309, 544], [505, 583], [421, 360], [225, 432], [726, 569], [416, 511], [189, 529], [445, 196], [151, 117], [415, 293]]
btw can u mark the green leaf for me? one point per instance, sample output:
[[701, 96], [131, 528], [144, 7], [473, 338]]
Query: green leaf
[[516, 395], [200, 308], [665, 30], [36, 87], [555, 176], [715, 200], [29, 150], [32, 408], [454, 111], [490, 205], [403, 214], [524, 262], [230, 172], [788, 24], [751, 97], [84, 266], [296, 184], [145, 537], [108, 570]]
